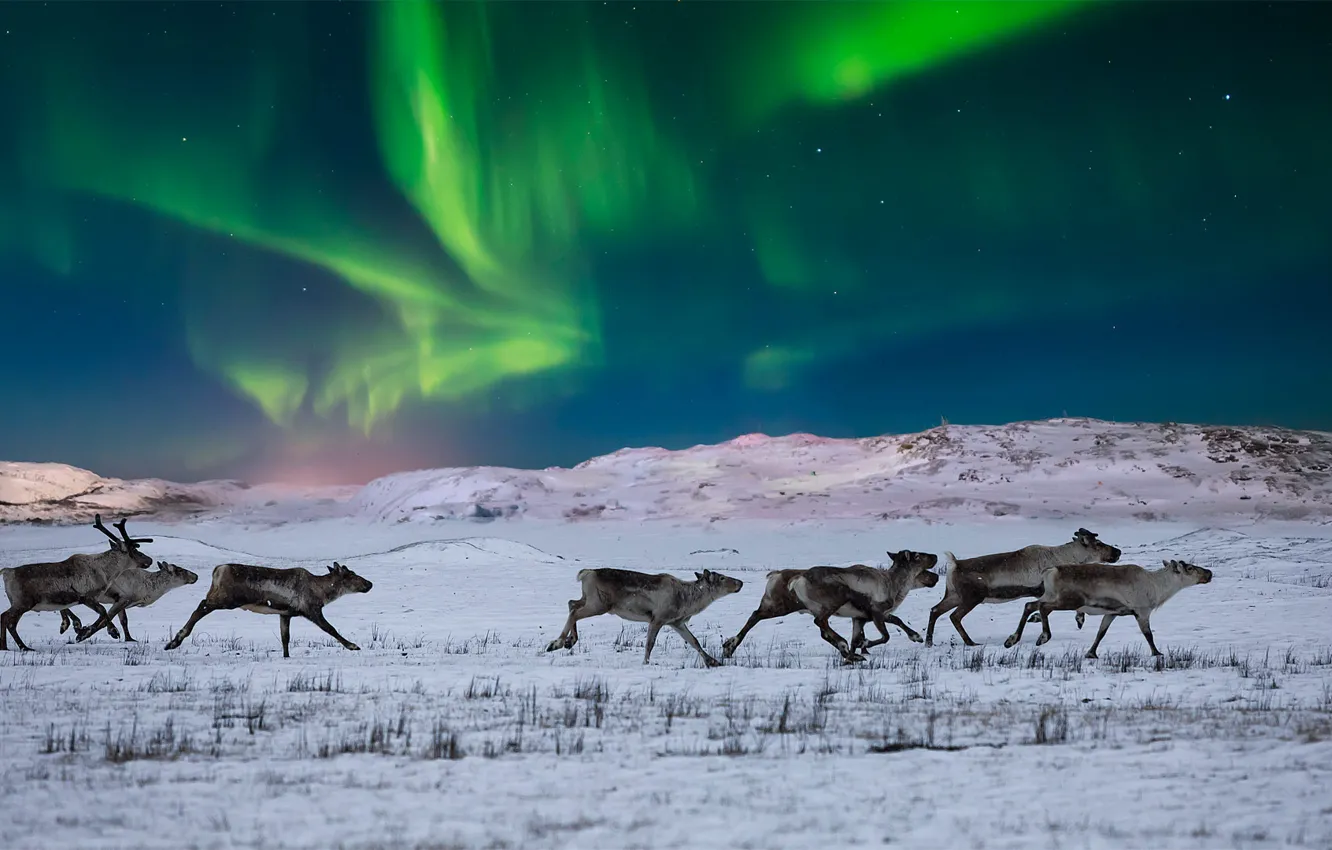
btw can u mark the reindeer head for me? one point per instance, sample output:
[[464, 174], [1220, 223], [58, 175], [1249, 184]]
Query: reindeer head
[[1093, 551], [348, 581], [918, 564], [1188, 573], [179, 574], [717, 581], [124, 543]]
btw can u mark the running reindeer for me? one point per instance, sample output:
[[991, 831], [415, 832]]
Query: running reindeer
[[658, 600], [1008, 576], [1111, 590], [892, 585], [288, 593], [77, 580]]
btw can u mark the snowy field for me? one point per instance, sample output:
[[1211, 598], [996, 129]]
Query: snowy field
[[453, 728]]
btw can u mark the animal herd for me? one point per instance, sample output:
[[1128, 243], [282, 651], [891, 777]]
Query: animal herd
[[1082, 575]]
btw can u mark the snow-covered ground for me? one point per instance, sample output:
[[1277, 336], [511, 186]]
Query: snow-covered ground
[[453, 728]]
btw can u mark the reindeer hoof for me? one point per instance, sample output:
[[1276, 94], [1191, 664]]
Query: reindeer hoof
[[353, 647], [64, 627], [1042, 640], [128, 639], [709, 661], [915, 638], [728, 648], [172, 644], [1091, 654], [1011, 642], [852, 658], [554, 645]]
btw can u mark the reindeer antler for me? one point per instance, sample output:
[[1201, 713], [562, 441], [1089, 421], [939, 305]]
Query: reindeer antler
[[131, 542], [97, 524]]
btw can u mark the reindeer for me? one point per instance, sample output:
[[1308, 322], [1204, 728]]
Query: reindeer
[[137, 589], [77, 580], [1112, 590], [779, 601], [287, 593], [658, 600], [1006, 576], [865, 593], [69, 618]]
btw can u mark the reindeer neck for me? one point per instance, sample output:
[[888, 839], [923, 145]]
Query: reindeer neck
[[699, 595], [1164, 583], [327, 588], [1069, 553]]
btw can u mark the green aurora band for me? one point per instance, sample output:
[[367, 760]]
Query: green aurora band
[[519, 159]]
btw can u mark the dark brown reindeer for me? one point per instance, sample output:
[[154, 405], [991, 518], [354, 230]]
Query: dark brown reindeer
[[864, 593], [1008, 576], [779, 601], [288, 593], [77, 580], [1111, 590], [658, 600], [137, 589]]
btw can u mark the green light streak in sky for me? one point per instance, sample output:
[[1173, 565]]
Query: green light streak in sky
[[510, 209], [836, 51]]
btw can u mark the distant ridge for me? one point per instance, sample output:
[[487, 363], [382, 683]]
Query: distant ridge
[[1050, 469]]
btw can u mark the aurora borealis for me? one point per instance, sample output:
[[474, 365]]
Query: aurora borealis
[[327, 241]]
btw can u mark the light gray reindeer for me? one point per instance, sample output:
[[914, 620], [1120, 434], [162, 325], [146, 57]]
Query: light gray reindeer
[[779, 601], [1008, 576], [658, 600], [863, 592], [77, 580], [288, 593], [137, 589], [1111, 590]]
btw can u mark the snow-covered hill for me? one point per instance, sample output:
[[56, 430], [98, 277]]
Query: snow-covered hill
[[55, 492], [1056, 468]]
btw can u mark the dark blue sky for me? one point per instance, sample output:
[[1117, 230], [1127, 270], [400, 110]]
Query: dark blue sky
[[324, 242]]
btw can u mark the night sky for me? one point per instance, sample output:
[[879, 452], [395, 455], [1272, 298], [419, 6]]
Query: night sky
[[323, 242]]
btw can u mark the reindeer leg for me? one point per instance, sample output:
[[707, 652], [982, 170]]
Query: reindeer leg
[[284, 626], [858, 635], [653, 628], [682, 629], [66, 618], [202, 611], [1100, 633], [579, 609], [1045, 608], [10, 620], [959, 612], [103, 620], [912, 634], [827, 632], [1145, 623], [1081, 618], [124, 627], [1028, 614], [948, 603], [317, 617], [730, 645]]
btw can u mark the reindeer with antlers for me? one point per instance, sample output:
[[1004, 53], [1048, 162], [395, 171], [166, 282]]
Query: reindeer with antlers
[[77, 580], [69, 618]]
